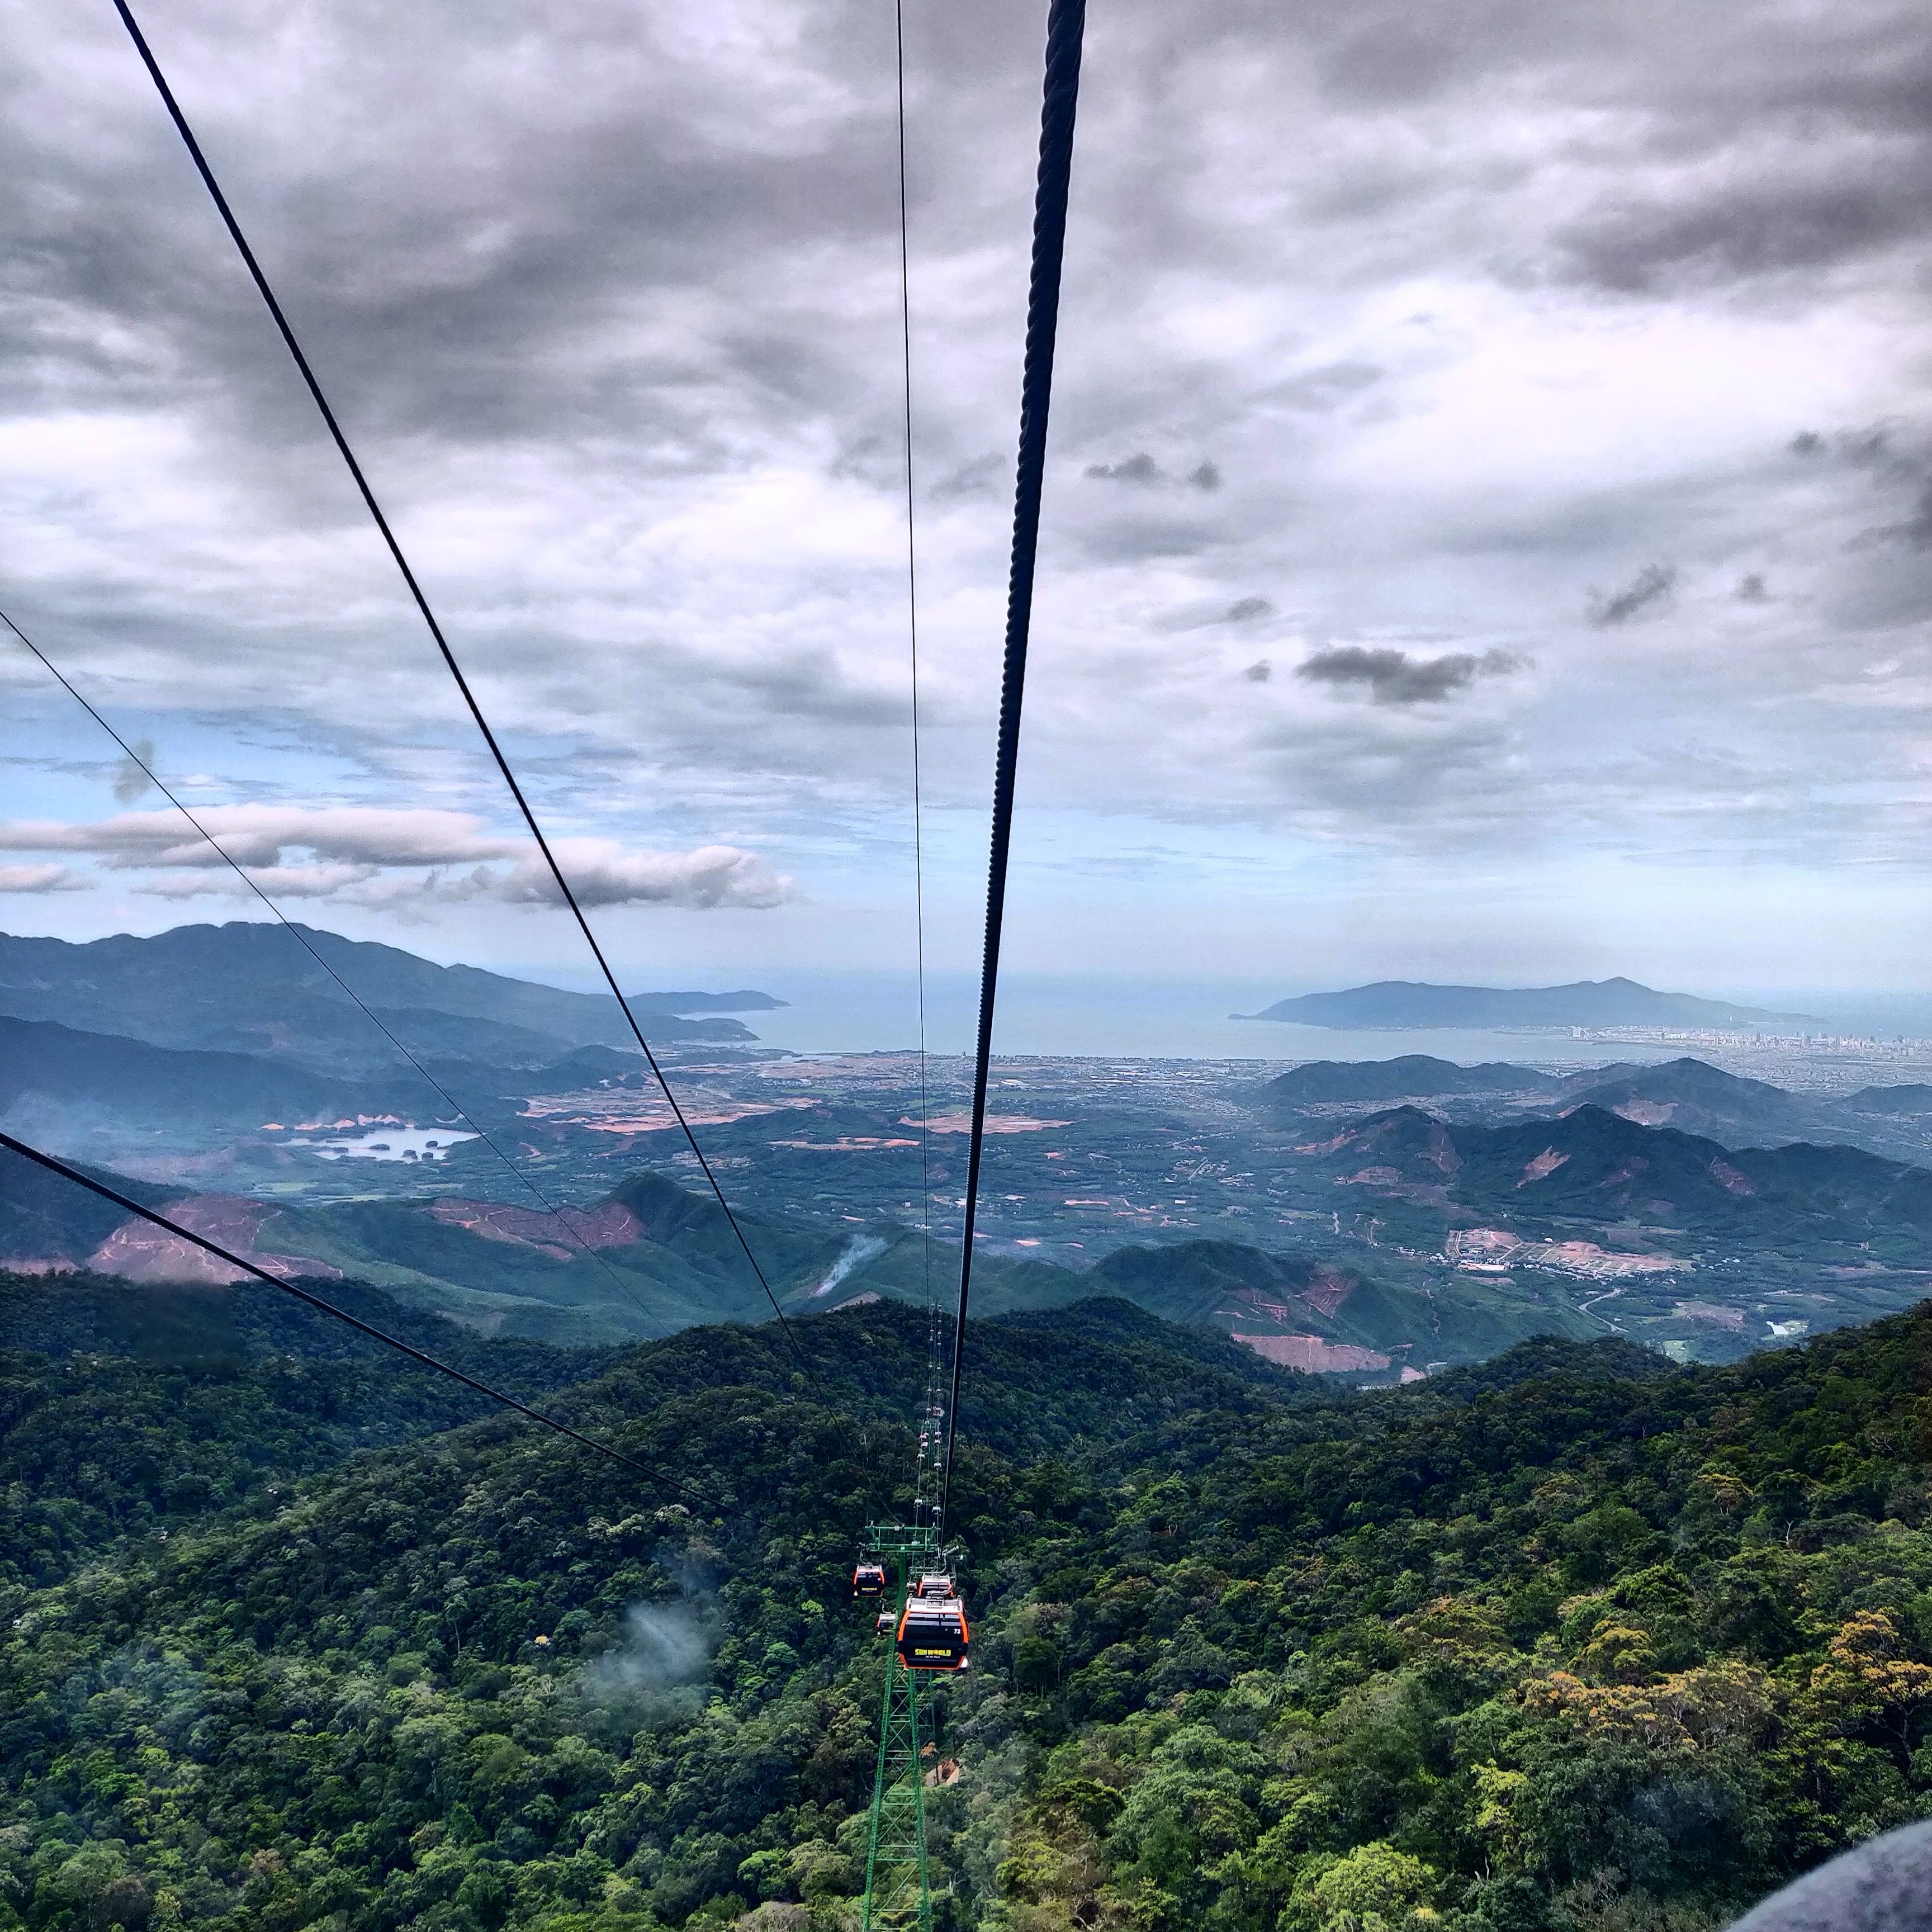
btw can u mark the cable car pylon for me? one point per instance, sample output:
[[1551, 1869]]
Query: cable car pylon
[[923, 1624], [898, 1879]]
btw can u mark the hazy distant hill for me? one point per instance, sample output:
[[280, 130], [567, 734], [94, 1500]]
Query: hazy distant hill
[[1412, 1076], [1589, 1003], [1275, 1297], [1593, 1166], [251, 987], [1893, 1122], [649, 1257], [51, 1072], [107, 1096], [1912, 1101], [1699, 1098], [1696, 1098]]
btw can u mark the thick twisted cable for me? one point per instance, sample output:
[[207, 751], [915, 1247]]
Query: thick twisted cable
[[1066, 21]]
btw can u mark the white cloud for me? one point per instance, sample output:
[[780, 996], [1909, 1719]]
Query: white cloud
[[38, 879], [259, 835], [601, 873], [373, 855]]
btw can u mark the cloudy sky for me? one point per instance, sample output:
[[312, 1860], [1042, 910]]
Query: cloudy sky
[[1489, 519]]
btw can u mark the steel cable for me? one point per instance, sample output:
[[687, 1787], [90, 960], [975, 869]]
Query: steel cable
[[296, 932], [429, 617], [922, 1482], [54, 1165], [1066, 21]]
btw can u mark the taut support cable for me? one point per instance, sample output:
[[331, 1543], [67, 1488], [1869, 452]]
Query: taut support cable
[[912, 629], [301, 938], [1066, 21], [429, 618], [54, 1164]]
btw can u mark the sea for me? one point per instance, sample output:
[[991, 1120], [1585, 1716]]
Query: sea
[[1115, 1019]]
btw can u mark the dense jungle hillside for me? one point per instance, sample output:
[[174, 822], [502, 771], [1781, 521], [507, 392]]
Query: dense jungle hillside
[[1569, 1642]]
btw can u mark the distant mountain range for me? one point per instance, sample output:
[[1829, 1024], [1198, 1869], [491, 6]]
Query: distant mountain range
[[1588, 1002], [1686, 1093], [252, 988], [1589, 1165]]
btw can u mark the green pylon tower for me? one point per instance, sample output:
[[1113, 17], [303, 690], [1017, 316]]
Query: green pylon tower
[[898, 1883]]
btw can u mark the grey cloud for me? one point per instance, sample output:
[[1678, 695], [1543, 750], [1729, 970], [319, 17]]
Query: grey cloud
[[1393, 677], [1140, 539], [1751, 590], [131, 781], [1898, 458], [1258, 672], [1917, 529], [972, 479], [1647, 593], [1141, 469], [1325, 388], [1245, 610], [1735, 234], [1390, 779]]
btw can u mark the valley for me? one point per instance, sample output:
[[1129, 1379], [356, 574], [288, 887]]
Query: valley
[[1375, 1219]]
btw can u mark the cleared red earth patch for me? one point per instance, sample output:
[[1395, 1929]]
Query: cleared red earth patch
[[1330, 1288], [1311, 1353], [137, 1251], [609, 1224]]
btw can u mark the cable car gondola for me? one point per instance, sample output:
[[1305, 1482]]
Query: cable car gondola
[[869, 1582], [932, 1632]]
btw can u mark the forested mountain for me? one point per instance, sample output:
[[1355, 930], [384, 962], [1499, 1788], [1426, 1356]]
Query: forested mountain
[[1698, 1098], [1570, 1642], [252, 987], [1409, 1076], [1592, 1164], [60, 1074]]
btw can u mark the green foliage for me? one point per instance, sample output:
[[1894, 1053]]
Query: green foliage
[[141, 1411], [1567, 1643]]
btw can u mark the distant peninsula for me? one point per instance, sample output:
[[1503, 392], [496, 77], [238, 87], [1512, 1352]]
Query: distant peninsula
[[1393, 1003]]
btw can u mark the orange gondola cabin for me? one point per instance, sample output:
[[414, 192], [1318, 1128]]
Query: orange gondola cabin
[[932, 1633], [869, 1582]]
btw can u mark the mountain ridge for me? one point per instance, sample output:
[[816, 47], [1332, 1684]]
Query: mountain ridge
[[1409, 1075], [1398, 1004], [249, 986]]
